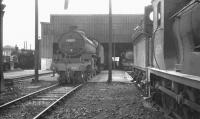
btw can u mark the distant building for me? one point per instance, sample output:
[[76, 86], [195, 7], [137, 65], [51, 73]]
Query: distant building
[[7, 50], [13, 57], [94, 26]]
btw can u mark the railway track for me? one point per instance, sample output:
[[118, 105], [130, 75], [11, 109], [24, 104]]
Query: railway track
[[36, 104]]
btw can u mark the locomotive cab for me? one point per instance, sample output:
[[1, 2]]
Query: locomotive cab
[[186, 29], [176, 36]]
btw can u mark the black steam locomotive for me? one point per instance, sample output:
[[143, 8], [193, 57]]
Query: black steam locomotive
[[76, 58]]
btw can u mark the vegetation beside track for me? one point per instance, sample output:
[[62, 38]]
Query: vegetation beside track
[[22, 87]]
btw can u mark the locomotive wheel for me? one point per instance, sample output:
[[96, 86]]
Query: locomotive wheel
[[82, 77], [164, 105], [88, 76], [89, 72], [176, 89], [61, 78], [68, 77], [187, 112], [168, 103], [79, 77], [72, 77], [75, 78], [64, 78]]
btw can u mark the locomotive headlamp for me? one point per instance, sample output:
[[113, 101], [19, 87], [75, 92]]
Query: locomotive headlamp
[[70, 40]]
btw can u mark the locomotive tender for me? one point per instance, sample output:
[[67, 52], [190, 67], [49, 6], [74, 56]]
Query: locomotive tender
[[77, 58], [167, 56]]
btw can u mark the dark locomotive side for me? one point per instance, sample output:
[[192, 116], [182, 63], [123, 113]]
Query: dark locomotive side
[[166, 56]]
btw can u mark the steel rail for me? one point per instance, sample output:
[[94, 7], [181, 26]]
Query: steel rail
[[41, 114], [27, 96]]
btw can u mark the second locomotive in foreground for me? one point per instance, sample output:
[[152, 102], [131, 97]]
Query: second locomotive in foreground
[[167, 54], [77, 58]]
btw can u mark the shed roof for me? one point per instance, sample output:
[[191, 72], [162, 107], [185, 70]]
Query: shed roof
[[96, 25]]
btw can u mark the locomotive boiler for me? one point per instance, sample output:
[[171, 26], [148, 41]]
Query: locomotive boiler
[[167, 54], [77, 58]]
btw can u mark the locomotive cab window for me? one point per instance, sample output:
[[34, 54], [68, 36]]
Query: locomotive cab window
[[151, 16], [159, 14]]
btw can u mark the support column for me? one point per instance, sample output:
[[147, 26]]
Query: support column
[[1, 47], [36, 43], [110, 43]]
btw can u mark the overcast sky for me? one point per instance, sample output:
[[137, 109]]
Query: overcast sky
[[19, 16]]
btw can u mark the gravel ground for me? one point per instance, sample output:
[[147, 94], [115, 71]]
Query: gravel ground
[[23, 87], [106, 101]]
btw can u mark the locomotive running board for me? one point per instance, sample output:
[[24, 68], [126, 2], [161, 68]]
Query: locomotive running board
[[188, 80], [185, 79]]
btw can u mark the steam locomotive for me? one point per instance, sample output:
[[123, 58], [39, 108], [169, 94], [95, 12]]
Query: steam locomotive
[[77, 58], [167, 56], [126, 60]]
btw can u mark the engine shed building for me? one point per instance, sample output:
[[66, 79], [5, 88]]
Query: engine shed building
[[95, 26]]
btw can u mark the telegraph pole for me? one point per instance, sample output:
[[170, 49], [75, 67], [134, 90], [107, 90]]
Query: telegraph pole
[[1, 46], [110, 43], [114, 67], [36, 42]]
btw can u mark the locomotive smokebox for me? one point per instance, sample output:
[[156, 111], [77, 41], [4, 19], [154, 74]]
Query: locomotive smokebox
[[75, 43]]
